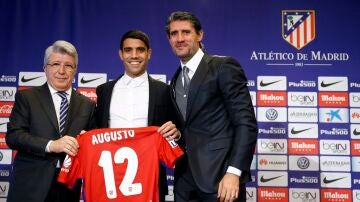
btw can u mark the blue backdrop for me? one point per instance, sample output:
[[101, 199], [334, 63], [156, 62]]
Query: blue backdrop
[[252, 32]]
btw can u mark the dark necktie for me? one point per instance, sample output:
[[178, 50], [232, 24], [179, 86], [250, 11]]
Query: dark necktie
[[185, 72], [64, 106]]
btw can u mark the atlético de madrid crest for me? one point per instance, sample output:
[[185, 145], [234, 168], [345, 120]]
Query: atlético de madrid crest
[[298, 27]]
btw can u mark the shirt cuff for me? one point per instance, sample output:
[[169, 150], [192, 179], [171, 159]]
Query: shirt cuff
[[234, 171], [47, 148]]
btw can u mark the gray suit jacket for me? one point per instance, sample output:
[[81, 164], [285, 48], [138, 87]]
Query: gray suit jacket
[[32, 124]]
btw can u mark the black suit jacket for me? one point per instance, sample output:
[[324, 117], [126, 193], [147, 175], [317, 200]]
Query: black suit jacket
[[160, 111], [220, 128], [32, 124]]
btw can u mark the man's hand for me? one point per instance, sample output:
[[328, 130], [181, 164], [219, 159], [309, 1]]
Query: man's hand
[[66, 144], [229, 187], [169, 131]]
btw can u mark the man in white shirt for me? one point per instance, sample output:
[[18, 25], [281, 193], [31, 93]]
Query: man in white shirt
[[135, 99]]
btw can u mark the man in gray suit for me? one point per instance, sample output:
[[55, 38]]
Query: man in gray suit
[[218, 124], [42, 128]]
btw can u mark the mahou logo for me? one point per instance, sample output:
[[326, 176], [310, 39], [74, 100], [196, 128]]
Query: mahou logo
[[273, 194], [303, 146], [271, 98], [331, 195], [333, 99], [5, 108]]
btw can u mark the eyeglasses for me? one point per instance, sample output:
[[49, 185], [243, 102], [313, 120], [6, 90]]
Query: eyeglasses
[[57, 65]]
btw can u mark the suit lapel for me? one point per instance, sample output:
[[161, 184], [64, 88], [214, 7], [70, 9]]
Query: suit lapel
[[45, 98], [152, 100], [107, 100], [73, 110], [195, 84], [173, 93]]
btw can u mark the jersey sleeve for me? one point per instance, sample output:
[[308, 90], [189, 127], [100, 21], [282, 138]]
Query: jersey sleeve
[[169, 152], [70, 171]]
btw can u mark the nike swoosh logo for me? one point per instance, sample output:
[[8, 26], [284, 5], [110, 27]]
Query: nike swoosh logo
[[355, 132], [87, 81], [263, 84], [262, 179], [24, 80], [293, 131], [326, 181], [328, 84], [2, 124]]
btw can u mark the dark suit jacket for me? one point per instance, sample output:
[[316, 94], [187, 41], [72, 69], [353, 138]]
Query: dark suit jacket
[[32, 124], [220, 129], [160, 111]]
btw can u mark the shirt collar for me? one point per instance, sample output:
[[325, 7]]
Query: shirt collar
[[194, 62], [127, 80], [53, 91]]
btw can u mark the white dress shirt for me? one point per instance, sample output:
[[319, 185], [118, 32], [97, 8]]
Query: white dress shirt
[[130, 102]]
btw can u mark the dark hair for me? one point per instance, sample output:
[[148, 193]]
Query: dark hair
[[135, 34], [183, 16]]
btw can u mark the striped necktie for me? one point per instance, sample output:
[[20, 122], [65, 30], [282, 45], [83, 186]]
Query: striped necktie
[[64, 106]]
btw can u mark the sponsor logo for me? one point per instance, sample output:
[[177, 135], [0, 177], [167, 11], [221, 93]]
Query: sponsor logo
[[355, 131], [335, 163], [91, 80], [272, 194], [333, 115], [271, 98], [304, 180], [304, 195], [3, 124], [3, 144], [7, 93], [273, 130], [303, 163], [324, 85], [335, 147], [355, 147], [303, 146], [25, 80], [251, 194], [263, 179], [275, 83], [335, 180], [332, 83], [263, 84], [303, 84], [276, 146], [4, 189], [298, 27], [272, 162], [88, 92], [31, 78], [303, 130], [273, 114], [5, 108], [333, 99], [5, 156], [302, 114], [6, 78], [354, 99], [355, 115], [272, 178], [84, 81], [331, 195], [302, 99]]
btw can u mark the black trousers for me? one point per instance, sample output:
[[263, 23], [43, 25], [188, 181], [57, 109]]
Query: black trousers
[[60, 193], [185, 190]]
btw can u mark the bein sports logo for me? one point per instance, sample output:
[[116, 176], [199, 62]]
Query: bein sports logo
[[298, 27]]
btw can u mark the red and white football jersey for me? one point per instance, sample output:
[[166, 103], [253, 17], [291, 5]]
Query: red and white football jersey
[[119, 164]]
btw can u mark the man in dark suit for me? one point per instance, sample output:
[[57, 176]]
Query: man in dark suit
[[42, 128], [218, 124], [135, 99]]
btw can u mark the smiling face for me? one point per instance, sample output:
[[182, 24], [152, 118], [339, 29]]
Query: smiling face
[[184, 39], [135, 56], [60, 71]]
